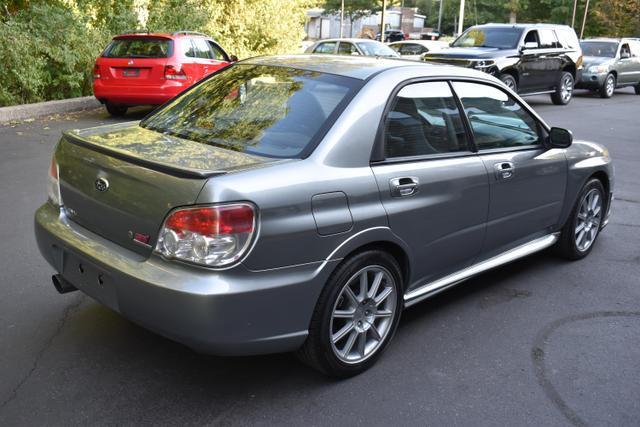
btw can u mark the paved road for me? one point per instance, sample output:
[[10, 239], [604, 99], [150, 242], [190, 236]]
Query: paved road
[[539, 342]]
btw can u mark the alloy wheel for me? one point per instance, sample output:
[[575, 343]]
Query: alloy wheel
[[588, 220], [363, 314], [610, 85], [566, 88]]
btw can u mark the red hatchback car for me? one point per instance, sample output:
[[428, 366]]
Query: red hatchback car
[[150, 69]]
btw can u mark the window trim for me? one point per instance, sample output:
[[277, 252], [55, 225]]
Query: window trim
[[377, 156]]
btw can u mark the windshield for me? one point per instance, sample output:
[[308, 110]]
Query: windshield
[[606, 49], [376, 49], [139, 47], [499, 38], [262, 110]]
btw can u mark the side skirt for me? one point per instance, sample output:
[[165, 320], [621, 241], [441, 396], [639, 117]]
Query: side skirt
[[432, 288]]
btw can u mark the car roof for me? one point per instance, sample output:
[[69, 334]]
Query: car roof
[[524, 25], [170, 36], [358, 67], [344, 39]]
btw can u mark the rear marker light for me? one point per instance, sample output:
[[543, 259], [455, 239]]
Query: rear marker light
[[213, 236], [96, 71]]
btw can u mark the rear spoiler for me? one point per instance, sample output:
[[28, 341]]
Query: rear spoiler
[[181, 172]]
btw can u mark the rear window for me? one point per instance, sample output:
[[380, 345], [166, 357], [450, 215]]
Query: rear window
[[606, 49], [139, 47], [268, 111]]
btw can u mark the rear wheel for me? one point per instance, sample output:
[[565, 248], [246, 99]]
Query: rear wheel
[[356, 315], [583, 226], [637, 88], [564, 89], [608, 87], [116, 110], [509, 81]]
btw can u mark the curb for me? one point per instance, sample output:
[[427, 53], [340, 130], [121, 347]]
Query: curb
[[28, 111]]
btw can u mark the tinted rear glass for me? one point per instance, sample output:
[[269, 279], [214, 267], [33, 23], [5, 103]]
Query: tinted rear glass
[[497, 37], [139, 47], [268, 111], [606, 49]]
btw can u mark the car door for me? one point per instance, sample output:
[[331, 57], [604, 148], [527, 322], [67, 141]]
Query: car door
[[628, 72], [433, 187], [635, 60], [530, 65], [551, 58], [190, 62], [527, 182], [218, 58]]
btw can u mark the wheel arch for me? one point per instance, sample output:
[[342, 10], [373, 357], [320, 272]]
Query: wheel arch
[[570, 68]]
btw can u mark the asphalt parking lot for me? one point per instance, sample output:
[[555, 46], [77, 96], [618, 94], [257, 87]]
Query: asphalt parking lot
[[539, 342]]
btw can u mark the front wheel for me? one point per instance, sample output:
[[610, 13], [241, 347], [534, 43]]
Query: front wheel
[[356, 315], [583, 226], [564, 89], [608, 87], [509, 81]]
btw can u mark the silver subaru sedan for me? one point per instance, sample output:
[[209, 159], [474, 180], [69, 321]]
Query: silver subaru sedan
[[300, 203]]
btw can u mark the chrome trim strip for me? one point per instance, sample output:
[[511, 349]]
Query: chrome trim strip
[[432, 288]]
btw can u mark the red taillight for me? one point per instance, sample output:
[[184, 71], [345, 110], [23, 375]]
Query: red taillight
[[174, 73], [213, 236], [53, 184], [96, 72], [53, 169], [213, 221]]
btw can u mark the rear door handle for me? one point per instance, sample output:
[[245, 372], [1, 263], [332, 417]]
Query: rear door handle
[[403, 187], [504, 170]]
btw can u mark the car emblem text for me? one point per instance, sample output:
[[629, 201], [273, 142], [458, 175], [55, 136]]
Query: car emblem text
[[102, 184]]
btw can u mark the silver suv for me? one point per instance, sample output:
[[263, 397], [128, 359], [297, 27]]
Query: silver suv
[[300, 203]]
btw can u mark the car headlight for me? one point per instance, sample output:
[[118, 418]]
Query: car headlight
[[484, 64], [598, 69]]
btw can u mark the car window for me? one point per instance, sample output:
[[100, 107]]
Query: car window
[[201, 49], [548, 39], [625, 49], [346, 48], [568, 38], [424, 119], [327, 47], [635, 48], [374, 48], [497, 119], [138, 47], [412, 49], [262, 110], [599, 48], [532, 37], [216, 51], [496, 37]]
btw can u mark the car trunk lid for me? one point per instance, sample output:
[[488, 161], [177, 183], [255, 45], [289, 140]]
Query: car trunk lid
[[121, 181]]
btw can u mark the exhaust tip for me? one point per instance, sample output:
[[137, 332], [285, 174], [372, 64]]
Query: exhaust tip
[[62, 285]]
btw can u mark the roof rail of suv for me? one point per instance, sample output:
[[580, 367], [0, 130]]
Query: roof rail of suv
[[193, 33]]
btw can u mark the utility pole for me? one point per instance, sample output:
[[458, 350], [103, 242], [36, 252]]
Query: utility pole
[[584, 18], [440, 17], [384, 7], [341, 17], [461, 20], [401, 14], [573, 17]]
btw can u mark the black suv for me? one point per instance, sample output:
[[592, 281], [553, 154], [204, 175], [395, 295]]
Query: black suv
[[391, 36], [529, 58]]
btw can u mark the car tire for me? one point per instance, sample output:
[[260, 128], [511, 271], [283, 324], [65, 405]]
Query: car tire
[[564, 89], [637, 88], [585, 222], [608, 87], [116, 110], [350, 329], [509, 81]]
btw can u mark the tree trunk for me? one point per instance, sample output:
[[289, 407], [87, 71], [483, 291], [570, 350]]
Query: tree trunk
[[512, 17]]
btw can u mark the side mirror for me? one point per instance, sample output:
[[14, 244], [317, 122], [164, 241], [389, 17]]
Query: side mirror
[[233, 58], [625, 55], [529, 45], [560, 138]]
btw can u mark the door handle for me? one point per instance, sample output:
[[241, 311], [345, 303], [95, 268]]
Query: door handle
[[403, 187], [504, 170]]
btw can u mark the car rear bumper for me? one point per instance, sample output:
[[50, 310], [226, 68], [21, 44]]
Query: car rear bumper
[[137, 95], [231, 312]]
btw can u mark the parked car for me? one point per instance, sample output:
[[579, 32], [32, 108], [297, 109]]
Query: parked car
[[300, 203], [610, 64], [414, 49], [529, 58], [393, 36], [363, 47], [151, 68]]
